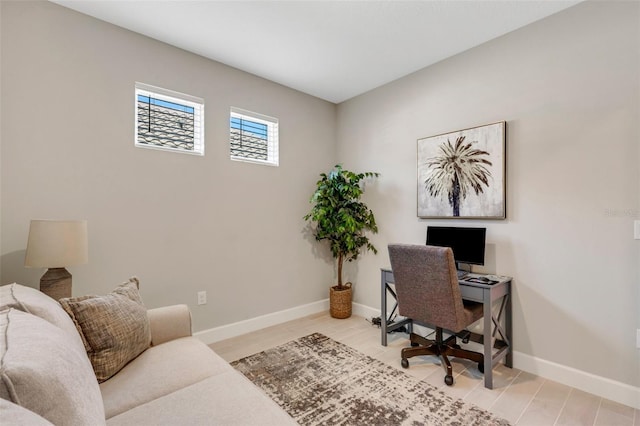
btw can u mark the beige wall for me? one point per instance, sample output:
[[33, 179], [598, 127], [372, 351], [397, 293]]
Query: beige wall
[[568, 87], [182, 223]]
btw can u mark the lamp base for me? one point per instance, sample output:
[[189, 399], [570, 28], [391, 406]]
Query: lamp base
[[56, 283]]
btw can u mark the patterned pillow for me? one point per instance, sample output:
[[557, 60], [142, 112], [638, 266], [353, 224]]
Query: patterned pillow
[[114, 328]]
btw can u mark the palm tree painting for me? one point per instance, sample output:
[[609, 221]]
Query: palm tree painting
[[461, 174], [459, 168]]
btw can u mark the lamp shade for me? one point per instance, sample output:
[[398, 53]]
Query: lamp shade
[[56, 243]]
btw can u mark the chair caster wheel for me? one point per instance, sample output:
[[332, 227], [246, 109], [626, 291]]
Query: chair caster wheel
[[448, 380], [405, 363], [481, 367]]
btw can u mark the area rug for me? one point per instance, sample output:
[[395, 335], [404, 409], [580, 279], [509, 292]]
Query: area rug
[[319, 381]]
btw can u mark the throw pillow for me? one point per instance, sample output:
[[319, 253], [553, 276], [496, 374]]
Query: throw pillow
[[32, 301], [114, 328], [43, 371], [16, 415]]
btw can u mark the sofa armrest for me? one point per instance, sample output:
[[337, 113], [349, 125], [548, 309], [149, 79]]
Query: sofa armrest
[[169, 323]]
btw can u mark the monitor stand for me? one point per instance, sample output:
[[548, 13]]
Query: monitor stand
[[461, 272]]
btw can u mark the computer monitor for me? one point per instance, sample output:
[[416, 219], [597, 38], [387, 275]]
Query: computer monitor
[[467, 243]]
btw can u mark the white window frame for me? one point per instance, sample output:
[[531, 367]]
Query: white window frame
[[273, 154], [179, 98]]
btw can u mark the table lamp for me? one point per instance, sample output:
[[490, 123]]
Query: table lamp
[[55, 244]]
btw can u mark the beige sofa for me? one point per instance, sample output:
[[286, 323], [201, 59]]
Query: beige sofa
[[46, 376]]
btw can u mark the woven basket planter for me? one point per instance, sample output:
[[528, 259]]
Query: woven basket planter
[[340, 302]]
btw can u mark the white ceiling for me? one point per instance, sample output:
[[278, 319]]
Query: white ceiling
[[334, 50]]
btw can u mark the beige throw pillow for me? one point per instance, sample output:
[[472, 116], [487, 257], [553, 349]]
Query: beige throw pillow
[[16, 415], [44, 371], [32, 301], [114, 328]]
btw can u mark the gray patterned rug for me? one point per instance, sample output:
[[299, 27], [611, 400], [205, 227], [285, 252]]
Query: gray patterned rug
[[320, 381]]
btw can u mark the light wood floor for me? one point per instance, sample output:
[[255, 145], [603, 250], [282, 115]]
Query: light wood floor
[[518, 396]]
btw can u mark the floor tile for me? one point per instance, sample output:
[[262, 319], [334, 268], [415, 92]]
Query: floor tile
[[520, 397]]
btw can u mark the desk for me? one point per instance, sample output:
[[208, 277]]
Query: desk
[[484, 293]]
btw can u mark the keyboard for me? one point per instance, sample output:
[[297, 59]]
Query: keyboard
[[481, 279]]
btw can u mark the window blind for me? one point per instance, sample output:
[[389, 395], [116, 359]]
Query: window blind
[[169, 120], [253, 137]]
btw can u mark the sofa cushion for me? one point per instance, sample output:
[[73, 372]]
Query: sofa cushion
[[225, 399], [13, 414], [35, 302], [158, 371], [114, 328], [42, 370]]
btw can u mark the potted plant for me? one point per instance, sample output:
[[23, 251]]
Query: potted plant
[[341, 218]]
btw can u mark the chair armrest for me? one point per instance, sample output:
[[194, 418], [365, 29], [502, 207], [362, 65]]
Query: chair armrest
[[169, 323]]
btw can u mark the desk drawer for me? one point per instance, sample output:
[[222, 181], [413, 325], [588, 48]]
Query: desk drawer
[[471, 293]]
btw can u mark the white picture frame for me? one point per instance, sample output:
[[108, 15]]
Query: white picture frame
[[462, 174]]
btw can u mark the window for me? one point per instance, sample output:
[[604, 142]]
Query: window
[[169, 120], [253, 137]]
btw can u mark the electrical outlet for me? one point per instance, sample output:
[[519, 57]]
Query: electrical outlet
[[202, 298]]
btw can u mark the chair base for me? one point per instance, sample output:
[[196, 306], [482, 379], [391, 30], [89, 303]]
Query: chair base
[[441, 348]]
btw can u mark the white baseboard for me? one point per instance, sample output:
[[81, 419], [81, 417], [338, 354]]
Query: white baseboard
[[365, 311], [597, 385], [227, 331], [601, 386]]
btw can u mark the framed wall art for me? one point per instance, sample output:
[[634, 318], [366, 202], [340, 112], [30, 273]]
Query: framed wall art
[[462, 174]]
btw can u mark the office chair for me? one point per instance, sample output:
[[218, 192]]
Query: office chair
[[428, 293]]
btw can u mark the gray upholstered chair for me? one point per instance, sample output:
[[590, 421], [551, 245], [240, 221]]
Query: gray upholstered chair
[[429, 294]]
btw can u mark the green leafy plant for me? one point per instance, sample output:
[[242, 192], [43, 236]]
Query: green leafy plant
[[341, 217]]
